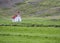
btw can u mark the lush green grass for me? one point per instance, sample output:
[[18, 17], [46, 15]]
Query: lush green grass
[[18, 34], [12, 34], [36, 20]]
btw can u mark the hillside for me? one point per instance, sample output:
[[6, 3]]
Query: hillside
[[40, 22], [35, 8]]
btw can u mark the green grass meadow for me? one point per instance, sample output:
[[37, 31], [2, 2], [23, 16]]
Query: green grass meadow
[[18, 34], [40, 22]]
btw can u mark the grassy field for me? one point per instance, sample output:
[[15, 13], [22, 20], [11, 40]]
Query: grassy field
[[18, 34], [40, 22], [12, 34], [33, 20]]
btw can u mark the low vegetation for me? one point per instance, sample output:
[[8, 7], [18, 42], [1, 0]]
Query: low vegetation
[[40, 22]]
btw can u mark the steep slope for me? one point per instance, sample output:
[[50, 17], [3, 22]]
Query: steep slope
[[37, 8]]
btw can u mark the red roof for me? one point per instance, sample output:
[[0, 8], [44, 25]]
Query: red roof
[[13, 17]]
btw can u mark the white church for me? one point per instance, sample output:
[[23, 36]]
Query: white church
[[17, 17]]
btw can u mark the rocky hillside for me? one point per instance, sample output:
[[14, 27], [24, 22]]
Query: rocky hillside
[[36, 8], [9, 3]]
